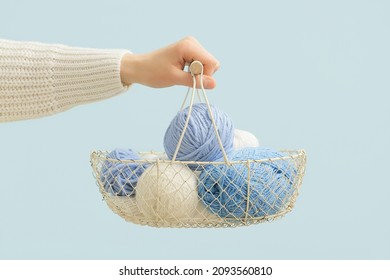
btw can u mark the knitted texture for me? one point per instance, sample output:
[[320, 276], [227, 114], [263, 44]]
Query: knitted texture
[[42, 79]]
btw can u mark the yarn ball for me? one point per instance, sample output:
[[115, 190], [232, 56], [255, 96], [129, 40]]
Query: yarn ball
[[224, 189], [120, 178], [200, 142], [244, 139], [167, 191], [150, 156]]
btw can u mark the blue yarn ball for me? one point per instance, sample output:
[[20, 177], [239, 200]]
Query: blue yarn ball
[[120, 178], [200, 142], [224, 189]]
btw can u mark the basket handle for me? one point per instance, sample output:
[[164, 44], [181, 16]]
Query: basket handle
[[196, 68]]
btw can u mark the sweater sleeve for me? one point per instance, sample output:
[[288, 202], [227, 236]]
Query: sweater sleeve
[[38, 79]]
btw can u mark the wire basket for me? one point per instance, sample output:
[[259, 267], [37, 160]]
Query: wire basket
[[161, 192]]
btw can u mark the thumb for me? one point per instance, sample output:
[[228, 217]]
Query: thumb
[[185, 79], [208, 82]]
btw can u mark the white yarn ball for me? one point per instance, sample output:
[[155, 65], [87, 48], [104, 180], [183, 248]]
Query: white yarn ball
[[167, 191], [149, 156], [244, 139], [154, 156], [164, 157]]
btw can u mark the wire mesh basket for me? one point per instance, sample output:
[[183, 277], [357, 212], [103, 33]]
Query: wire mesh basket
[[161, 192]]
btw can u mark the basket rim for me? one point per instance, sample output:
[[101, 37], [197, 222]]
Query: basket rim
[[101, 155]]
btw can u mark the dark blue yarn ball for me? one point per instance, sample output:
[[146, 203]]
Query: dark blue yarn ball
[[224, 189]]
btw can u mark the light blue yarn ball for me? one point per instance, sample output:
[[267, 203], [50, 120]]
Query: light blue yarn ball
[[224, 189], [120, 178], [200, 142]]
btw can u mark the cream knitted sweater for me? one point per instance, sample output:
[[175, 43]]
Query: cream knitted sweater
[[41, 79]]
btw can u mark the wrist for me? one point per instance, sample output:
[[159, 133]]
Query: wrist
[[128, 69]]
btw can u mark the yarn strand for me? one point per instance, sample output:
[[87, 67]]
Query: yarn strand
[[212, 119], [185, 99], [187, 120]]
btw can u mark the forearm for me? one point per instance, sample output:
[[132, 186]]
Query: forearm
[[41, 79]]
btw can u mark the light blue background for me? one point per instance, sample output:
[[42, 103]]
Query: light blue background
[[298, 74]]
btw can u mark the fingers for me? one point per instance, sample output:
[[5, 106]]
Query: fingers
[[210, 67], [193, 50], [209, 82], [185, 79]]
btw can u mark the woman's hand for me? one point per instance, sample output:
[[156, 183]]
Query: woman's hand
[[164, 67]]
